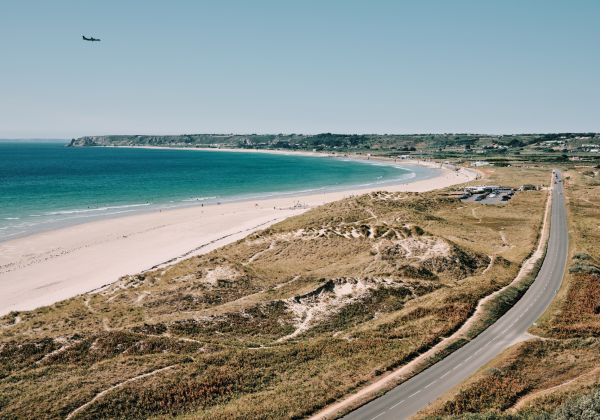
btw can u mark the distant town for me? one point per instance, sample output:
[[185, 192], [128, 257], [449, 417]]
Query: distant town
[[477, 149]]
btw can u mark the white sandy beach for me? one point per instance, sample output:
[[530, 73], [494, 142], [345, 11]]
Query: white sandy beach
[[47, 267]]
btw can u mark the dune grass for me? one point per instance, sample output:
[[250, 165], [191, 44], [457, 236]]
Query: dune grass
[[278, 324]]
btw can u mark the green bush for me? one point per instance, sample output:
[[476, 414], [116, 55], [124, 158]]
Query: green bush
[[584, 408]]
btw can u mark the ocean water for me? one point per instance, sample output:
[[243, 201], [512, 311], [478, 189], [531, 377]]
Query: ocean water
[[44, 185]]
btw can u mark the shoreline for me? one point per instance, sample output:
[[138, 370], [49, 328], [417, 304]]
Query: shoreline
[[369, 159], [108, 211], [46, 267]]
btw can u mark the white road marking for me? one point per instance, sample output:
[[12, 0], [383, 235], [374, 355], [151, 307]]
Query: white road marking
[[395, 405]]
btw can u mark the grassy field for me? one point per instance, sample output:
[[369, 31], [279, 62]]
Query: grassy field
[[544, 375], [278, 324]]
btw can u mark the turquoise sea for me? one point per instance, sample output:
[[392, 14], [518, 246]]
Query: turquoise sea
[[45, 185]]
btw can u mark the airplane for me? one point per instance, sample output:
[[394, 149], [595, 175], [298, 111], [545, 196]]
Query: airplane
[[90, 38]]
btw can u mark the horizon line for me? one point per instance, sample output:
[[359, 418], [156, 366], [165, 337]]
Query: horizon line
[[310, 134]]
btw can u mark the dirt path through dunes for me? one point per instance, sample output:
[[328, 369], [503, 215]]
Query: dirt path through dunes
[[259, 253], [475, 215], [540, 393], [119, 385], [490, 265]]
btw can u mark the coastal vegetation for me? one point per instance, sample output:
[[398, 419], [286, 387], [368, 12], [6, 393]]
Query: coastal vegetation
[[280, 323], [558, 368], [501, 150]]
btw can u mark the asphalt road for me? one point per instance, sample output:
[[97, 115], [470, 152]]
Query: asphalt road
[[415, 394]]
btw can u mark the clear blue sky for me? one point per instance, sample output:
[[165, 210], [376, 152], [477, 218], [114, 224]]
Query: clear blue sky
[[298, 66]]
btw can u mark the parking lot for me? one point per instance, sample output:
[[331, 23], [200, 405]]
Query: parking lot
[[496, 197]]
